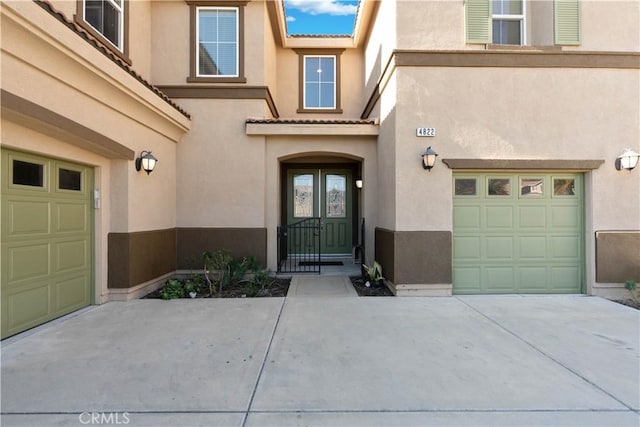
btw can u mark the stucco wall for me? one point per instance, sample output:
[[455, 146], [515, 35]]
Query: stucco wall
[[170, 50], [222, 170], [517, 113], [352, 87], [441, 25], [80, 106]]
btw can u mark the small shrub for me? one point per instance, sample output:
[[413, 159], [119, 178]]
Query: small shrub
[[631, 286], [172, 289]]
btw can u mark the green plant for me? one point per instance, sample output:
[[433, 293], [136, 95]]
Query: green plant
[[632, 286], [252, 263], [256, 285], [172, 289], [217, 269], [373, 273]]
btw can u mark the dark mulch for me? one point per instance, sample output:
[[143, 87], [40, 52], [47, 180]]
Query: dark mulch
[[371, 291], [277, 288], [629, 302]]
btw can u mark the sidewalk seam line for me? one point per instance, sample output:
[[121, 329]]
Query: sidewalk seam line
[[548, 356], [264, 362]]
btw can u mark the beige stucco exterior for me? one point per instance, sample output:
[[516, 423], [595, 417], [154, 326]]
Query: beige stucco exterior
[[221, 145]]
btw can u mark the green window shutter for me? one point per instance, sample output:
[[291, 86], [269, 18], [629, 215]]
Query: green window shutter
[[478, 15], [567, 22]]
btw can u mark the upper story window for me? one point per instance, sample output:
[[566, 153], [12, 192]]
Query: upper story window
[[106, 20], [217, 47], [521, 22], [319, 81], [508, 24], [217, 42]]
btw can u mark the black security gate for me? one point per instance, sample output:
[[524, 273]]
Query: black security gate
[[299, 246]]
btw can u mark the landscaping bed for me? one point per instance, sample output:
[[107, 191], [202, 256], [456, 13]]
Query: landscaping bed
[[629, 302], [276, 287], [371, 291]]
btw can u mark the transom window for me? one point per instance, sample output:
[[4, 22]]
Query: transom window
[[217, 48], [319, 82], [107, 18], [508, 22]]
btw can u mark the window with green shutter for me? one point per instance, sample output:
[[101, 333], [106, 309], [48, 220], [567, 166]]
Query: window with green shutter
[[567, 22], [520, 22], [478, 15]]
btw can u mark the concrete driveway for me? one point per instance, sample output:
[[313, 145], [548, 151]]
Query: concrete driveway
[[317, 360]]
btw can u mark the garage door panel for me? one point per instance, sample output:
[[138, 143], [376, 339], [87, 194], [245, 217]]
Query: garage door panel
[[499, 217], [71, 217], [467, 218], [467, 248], [28, 307], [28, 262], [46, 237], [71, 255], [532, 279], [532, 217], [565, 278], [564, 217], [71, 293], [499, 279], [565, 247], [532, 247], [28, 218], [500, 247], [467, 279], [531, 238]]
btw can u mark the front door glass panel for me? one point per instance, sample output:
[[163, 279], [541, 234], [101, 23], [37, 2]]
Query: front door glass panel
[[336, 187], [303, 196]]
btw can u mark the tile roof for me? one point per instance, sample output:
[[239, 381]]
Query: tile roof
[[91, 40], [315, 121]]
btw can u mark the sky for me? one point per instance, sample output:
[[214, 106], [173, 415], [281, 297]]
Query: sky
[[322, 17]]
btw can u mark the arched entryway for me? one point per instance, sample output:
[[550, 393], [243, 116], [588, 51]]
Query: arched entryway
[[320, 221]]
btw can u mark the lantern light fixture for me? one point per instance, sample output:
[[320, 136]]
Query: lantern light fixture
[[628, 160], [359, 183], [146, 161], [429, 158]]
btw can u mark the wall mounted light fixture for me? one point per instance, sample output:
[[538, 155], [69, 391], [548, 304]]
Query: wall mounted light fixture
[[627, 160], [146, 161], [428, 158], [359, 183]]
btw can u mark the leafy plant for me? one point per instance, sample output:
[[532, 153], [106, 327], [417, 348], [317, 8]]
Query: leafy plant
[[217, 266], [258, 283], [252, 263], [632, 286], [373, 273], [172, 289]]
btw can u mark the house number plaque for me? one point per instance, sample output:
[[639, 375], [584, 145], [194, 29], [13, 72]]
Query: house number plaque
[[425, 131]]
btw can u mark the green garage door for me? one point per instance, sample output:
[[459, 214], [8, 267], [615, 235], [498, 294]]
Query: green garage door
[[518, 233], [46, 239]]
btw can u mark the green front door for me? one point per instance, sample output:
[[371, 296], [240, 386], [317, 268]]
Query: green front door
[[518, 233], [327, 194], [46, 239]]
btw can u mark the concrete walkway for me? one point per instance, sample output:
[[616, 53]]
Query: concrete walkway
[[481, 361], [321, 286]]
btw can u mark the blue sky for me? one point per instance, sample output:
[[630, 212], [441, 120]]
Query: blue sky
[[320, 16]]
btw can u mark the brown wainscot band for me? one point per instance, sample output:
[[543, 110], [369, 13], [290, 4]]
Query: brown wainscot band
[[139, 257], [416, 262], [240, 242], [617, 256]]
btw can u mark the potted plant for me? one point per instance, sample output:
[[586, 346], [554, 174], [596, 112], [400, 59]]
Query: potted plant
[[373, 275]]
